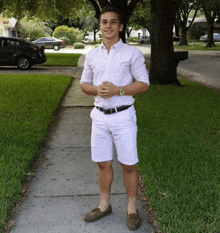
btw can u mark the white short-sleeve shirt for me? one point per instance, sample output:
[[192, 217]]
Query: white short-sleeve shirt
[[120, 66]]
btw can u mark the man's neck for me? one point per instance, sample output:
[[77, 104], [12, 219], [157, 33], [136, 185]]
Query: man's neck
[[109, 43]]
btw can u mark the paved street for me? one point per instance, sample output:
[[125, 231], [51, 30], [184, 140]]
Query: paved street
[[204, 68]]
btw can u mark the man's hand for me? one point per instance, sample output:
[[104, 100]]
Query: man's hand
[[107, 90]]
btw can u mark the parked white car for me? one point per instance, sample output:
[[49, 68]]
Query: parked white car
[[86, 39], [143, 40], [216, 37]]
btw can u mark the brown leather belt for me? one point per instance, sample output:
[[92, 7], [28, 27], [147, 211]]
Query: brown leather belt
[[113, 110]]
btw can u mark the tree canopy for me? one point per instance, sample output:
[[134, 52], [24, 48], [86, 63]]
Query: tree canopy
[[141, 16], [44, 9], [49, 9]]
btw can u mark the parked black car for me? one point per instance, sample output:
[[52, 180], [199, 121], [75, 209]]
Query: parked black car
[[50, 43], [21, 53]]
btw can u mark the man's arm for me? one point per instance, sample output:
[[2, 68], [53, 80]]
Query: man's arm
[[89, 89], [107, 89], [135, 88]]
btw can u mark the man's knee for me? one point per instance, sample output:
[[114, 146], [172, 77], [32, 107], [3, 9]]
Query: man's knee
[[105, 165], [129, 168]]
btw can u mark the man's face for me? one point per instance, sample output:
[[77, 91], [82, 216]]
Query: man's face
[[110, 25]]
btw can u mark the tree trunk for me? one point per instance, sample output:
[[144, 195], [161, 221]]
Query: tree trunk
[[123, 34], [128, 32], [210, 14], [210, 40], [163, 69], [94, 35], [184, 36], [177, 30]]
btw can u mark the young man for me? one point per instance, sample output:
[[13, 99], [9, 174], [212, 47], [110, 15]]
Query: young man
[[108, 75]]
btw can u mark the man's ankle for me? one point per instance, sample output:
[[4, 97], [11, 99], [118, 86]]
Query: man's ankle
[[132, 210], [104, 205], [132, 206]]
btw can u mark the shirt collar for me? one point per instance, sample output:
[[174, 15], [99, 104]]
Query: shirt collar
[[115, 46]]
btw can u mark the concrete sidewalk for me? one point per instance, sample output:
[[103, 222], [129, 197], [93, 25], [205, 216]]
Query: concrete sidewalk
[[66, 185]]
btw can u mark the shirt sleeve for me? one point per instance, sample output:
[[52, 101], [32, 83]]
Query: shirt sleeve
[[138, 67], [87, 75]]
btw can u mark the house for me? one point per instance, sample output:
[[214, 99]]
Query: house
[[201, 23], [8, 26], [139, 33]]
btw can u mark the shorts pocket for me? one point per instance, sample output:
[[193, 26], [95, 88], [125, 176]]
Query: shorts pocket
[[92, 113], [95, 114]]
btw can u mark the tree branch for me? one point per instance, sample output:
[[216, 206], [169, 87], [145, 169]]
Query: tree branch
[[104, 3], [97, 9], [197, 8], [131, 7]]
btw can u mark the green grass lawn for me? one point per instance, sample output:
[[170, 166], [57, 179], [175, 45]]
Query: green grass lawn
[[197, 45], [61, 59], [27, 107], [179, 149]]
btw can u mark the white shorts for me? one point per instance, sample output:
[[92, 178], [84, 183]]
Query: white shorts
[[119, 129]]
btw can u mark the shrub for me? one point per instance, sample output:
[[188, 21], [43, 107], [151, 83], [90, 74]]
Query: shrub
[[67, 40], [133, 39], [73, 34], [33, 29], [197, 32], [79, 34], [92, 42], [79, 46]]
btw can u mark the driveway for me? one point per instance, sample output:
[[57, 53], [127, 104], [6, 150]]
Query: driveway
[[203, 67]]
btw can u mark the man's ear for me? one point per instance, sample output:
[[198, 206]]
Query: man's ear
[[121, 27]]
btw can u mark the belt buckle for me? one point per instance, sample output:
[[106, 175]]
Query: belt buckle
[[104, 111]]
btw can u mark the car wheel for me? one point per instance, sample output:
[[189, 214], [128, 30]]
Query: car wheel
[[56, 47], [23, 63], [142, 42]]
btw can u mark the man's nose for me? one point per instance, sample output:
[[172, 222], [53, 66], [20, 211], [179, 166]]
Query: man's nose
[[109, 24]]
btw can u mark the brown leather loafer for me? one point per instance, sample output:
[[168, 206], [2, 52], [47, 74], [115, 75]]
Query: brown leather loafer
[[96, 214], [133, 221]]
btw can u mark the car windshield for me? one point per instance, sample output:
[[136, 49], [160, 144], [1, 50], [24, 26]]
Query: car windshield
[[41, 39]]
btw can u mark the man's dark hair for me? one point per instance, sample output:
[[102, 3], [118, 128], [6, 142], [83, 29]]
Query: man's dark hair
[[112, 9]]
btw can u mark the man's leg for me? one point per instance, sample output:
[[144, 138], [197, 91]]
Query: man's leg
[[131, 179], [105, 181]]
